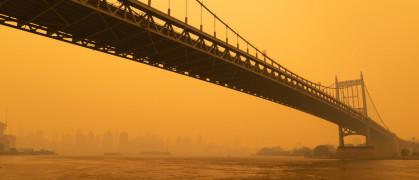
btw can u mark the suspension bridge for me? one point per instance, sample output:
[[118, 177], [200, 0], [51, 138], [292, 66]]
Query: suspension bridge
[[137, 31]]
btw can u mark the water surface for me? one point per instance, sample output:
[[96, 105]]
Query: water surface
[[183, 167]]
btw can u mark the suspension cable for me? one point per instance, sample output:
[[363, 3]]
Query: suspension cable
[[375, 108], [216, 18]]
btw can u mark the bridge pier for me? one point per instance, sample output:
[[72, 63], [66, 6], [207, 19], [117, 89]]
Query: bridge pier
[[341, 137], [347, 132], [368, 136], [354, 152], [377, 146], [385, 147]]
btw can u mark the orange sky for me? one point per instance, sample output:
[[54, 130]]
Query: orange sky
[[59, 87]]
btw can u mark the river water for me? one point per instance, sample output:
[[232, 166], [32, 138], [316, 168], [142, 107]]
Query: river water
[[188, 167]]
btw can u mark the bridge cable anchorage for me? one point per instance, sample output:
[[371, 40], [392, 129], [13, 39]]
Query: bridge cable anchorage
[[375, 108]]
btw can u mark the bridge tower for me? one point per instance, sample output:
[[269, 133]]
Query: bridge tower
[[352, 93]]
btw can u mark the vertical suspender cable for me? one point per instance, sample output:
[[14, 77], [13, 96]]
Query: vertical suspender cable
[[238, 41], [201, 27], [215, 29], [186, 12], [343, 96], [168, 10], [349, 98], [353, 97], [227, 34], [357, 95]]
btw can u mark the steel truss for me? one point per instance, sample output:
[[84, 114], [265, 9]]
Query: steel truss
[[194, 41]]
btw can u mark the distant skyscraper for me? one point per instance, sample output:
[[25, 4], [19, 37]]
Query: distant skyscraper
[[107, 141], [123, 138], [123, 141], [80, 141], [67, 143], [90, 142], [6, 141], [97, 142]]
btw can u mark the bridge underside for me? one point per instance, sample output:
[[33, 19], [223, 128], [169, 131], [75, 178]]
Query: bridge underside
[[157, 40]]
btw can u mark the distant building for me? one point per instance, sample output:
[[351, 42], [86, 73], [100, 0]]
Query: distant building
[[107, 141], [80, 141], [123, 139], [6, 141], [67, 143]]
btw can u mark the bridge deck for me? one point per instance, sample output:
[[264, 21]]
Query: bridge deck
[[138, 32]]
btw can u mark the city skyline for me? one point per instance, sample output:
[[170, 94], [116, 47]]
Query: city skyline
[[88, 142]]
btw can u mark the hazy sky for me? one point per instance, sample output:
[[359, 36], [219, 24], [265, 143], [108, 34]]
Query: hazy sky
[[59, 87]]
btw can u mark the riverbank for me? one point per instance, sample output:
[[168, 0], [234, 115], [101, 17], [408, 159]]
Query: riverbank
[[27, 152]]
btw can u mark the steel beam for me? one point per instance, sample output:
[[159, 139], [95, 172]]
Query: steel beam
[[43, 12], [110, 27], [146, 45], [152, 43], [57, 13], [3, 3], [127, 37], [77, 21]]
